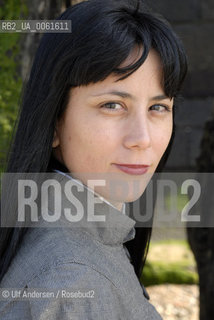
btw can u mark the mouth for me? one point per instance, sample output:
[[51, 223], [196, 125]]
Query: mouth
[[133, 169]]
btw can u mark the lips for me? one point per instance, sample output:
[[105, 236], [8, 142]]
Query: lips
[[134, 169]]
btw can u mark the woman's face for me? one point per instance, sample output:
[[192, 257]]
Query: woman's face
[[109, 124]]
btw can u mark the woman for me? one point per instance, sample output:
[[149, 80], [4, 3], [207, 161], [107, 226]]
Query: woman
[[98, 104]]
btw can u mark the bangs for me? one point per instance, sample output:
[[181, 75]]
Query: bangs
[[104, 36]]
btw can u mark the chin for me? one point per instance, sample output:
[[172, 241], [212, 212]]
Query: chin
[[123, 190], [129, 197]]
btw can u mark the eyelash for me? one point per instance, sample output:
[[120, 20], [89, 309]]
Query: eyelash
[[104, 106], [110, 103], [168, 109]]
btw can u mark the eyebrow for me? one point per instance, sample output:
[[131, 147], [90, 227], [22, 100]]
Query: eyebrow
[[123, 94]]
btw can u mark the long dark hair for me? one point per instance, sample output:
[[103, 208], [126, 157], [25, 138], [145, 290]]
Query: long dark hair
[[104, 32]]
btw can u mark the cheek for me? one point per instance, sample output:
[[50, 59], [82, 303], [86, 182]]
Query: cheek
[[88, 145], [161, 139]]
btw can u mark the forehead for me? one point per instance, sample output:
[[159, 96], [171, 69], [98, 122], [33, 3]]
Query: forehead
[[150, 73], [136, 54], [133, 57], [145, 82]]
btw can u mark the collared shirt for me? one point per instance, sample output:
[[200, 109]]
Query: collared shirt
[[89, 189], [85, 263]]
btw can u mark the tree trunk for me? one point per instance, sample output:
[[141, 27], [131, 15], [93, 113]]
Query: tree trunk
[[37, 10]]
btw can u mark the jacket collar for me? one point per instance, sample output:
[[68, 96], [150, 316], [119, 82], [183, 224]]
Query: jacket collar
[[117, 228]]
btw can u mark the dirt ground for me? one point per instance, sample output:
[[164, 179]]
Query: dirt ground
[[175, 302]]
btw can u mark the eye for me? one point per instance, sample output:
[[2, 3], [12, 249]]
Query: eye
[[160, 108], [112, 106]]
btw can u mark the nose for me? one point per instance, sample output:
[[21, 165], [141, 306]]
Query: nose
[[138, 135]]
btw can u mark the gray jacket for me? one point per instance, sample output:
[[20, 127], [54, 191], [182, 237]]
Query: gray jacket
[[75, 271]]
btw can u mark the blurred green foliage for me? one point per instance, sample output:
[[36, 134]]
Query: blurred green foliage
[[160, 272], [10, 80], [160, 269], [179, 199]]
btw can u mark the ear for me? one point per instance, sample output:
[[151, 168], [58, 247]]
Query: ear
[[55, 142]]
